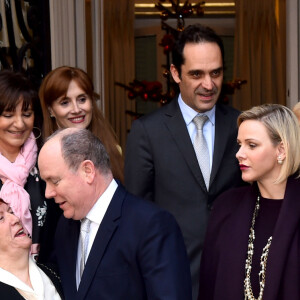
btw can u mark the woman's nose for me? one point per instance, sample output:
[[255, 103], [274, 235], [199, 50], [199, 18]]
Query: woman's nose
[[13, 218], [239, 154], [76, 108], [19, 122]]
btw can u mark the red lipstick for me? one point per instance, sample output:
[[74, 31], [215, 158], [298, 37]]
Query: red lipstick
[[243, 167]]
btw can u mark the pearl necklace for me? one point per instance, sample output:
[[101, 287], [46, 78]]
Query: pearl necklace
[[263, 260]]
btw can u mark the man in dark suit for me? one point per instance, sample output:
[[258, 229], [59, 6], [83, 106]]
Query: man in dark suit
[[130, 249], [161, 163]]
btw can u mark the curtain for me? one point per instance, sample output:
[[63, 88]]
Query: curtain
[[259, 56], [63, 33], [119, 64]]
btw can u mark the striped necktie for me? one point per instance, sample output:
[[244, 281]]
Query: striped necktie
[[201, 148], [84, 235]]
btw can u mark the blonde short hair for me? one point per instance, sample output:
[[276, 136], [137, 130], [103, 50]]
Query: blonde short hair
[[282, 126]]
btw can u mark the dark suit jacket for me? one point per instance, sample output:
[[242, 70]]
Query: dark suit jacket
[[161, 166], [138, 253], [222, 270]]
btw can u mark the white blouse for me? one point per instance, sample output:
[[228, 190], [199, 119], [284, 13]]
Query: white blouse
[[43, 288]]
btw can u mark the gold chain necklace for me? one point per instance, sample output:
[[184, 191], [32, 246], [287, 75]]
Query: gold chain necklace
[[263, 260]]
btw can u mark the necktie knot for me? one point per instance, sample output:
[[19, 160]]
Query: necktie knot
[[85, 225], [199, 121]]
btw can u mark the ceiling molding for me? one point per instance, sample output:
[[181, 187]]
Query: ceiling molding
[[147, 9]]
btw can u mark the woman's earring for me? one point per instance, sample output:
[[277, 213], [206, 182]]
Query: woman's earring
[[50, 113], [39, 132], [279, 160]]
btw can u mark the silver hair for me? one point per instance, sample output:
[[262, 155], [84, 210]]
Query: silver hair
[[79, 145]]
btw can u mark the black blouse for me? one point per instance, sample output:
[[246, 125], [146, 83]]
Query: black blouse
[[264, 227]]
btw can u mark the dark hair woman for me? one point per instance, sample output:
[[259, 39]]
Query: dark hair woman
[[20, 184]]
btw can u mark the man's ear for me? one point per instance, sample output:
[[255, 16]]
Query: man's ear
[[88, 171], [175, 74]]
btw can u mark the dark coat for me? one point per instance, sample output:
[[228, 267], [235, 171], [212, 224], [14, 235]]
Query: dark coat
[[161, 166], [222, 269], [138, 253]]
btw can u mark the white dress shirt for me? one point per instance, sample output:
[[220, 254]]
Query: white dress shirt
[[208, 129], [95, 215], [43, 288]]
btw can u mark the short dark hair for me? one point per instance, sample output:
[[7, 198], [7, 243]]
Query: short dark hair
[[16, 86], [195, 33], [13, 87], [79, 145]]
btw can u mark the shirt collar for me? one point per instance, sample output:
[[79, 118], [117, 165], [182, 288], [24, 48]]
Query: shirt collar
[[98, 211], [189, 114]]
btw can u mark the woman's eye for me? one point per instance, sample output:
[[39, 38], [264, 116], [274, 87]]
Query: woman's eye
[[81, 99], [27, 115], [252, 146], [6, 115], [64, 102]]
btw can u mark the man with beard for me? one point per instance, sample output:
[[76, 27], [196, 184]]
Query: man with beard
[[161, 163]]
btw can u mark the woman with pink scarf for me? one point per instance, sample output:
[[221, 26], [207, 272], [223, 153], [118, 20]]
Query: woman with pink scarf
[[20, 185]]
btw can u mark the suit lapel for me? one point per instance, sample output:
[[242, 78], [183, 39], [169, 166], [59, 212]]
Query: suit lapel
[[106, 230], [70, 255], [74, 237], [222, 133], [177, 127], [234, 247]]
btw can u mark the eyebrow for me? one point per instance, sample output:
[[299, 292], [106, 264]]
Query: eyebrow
[[83, 94], [66, 97], [249, 139], [2, 210], [51, 178], [191, 72], [218, 69], [45, 178]]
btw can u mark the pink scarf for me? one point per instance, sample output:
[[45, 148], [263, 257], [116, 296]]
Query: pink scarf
[[14, 175]]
